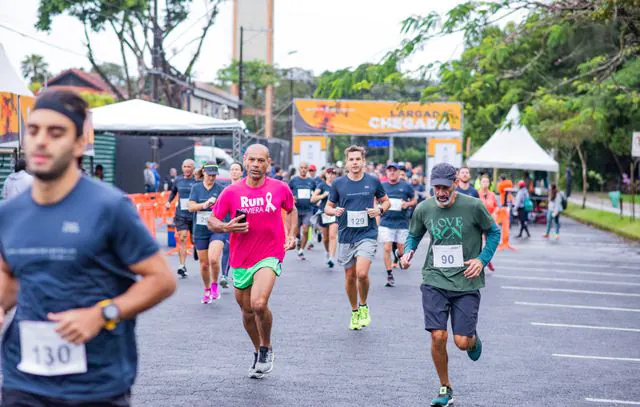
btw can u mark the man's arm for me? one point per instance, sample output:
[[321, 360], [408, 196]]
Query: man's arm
[[174, 192], [491, 245], [291, 221], [318, 195], [8, 289]]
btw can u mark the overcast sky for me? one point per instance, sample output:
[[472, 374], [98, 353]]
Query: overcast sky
[[326, 35]]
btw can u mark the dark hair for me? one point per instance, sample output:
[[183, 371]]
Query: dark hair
[[99, 167], [554, 192], [21, 165], [67, 103], [237, 163]]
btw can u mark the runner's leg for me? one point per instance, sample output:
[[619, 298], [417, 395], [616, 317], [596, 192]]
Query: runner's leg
[[387, 255], [325, 238], [440, 356], [215, 253], [243, 297], [182, 249], [304, 238], [362, 273], [205, 270], [263, 282], [351, 285], [333, 239]]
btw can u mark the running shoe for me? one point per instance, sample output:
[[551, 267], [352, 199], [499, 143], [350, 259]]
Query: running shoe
[[390, 281], [474, 354], [206, 298], [182, 272], [319, 237], [330, 263], [546, 235], [252, 370], [310, 246], [365, 317], [224, 283], [215, 294], [490, 266], [301, 255], [445, 397], [557, 237], [265, 360], [355, 320]]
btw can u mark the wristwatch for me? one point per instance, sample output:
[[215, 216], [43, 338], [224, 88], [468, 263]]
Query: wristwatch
[[110, 313], [380, 209]]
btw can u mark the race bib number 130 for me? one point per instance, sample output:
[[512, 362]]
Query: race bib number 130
[[45, 353], [448, 256]]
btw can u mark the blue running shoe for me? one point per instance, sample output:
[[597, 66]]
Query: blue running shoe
[[474, 354], [445, 397]]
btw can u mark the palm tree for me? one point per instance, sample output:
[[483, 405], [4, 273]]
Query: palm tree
[[35, 68]]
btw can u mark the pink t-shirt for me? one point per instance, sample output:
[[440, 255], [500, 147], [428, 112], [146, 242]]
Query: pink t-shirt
[[263, 206]]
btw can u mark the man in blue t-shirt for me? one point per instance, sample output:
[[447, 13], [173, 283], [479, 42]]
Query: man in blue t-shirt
[[182, 219], [353, 201], [75, 283], [464, 183], [208, 244], [302, 186], [394, 225]]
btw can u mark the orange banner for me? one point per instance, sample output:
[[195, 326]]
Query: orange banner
[[363, 117], [9, 118]]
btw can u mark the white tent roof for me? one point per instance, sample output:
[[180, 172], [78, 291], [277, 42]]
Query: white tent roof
[[10, 81], [140, 116], [513, 148]]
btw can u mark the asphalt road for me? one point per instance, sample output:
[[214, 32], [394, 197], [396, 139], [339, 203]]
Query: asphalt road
[[560, 323]]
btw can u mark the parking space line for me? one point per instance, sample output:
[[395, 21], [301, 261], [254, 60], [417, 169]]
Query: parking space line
[[544, 304], [603, 328], [632, 403], [594, 273], [561, 355], [565, 280], [569, 290]]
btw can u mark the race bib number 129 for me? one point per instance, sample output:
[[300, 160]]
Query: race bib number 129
[[45, 353], [448, 256], [357, 219]]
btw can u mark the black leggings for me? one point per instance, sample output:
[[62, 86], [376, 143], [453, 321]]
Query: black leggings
[[523, 217]]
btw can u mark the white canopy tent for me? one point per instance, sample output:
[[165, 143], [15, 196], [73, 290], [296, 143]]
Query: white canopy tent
[[513, 147], [139, 116]]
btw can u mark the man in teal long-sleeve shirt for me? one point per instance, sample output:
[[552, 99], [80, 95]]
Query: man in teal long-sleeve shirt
[[453, 272]]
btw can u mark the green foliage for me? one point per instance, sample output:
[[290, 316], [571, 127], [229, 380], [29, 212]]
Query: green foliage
[[606, 221], [35, 87], [97, 99], [35, 68]]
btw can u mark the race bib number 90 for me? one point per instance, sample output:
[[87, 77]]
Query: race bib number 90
[[448, 256], [45, 353], [202, 217], [357, 219]]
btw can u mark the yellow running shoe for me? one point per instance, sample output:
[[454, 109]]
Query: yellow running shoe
[[355, 320], [365, 318]]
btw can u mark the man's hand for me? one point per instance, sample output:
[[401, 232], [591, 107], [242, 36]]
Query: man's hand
[[80, 325], [2, 315], [167, 205], [290, 243], [234, 226], [405, 261], [339, 211], [373, 212], [405, 205], [209, 203], [474, 268]]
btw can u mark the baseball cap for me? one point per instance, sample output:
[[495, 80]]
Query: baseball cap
[[393, 165], [443, 174], [312, 167], [329, 170], [210, 168]]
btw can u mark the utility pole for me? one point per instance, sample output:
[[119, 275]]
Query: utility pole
[[155, 55], [240, 72]]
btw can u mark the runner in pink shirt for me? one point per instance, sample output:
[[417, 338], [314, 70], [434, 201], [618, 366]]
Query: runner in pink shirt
[[257, 246]]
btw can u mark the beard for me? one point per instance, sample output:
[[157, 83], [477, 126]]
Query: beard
[[444, 204], [57, 170]]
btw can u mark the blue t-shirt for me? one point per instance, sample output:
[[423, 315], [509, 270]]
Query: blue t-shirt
[[471, 191], [302, 189], [69, 255], [356, 196], [182, 187], [200, 194], [394, 218], [419, 188], [323, 187]]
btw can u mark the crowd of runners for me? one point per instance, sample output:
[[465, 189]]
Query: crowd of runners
[[78, 285]]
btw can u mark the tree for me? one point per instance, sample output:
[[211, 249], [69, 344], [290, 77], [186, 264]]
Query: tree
[[256, 76], [35, 68], [132, 21], [97, 99], [114, 72]]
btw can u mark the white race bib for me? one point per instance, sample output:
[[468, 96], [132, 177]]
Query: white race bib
[[328, 219], [448, 256], [396, 204], [357, 219], [304, 194], [184, 204], [202, 218], [45, 353]]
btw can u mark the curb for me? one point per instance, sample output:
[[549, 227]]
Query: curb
[[603, 227]]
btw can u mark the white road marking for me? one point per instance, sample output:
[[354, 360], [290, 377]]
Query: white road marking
[[632, 403], [604, 328], [568, 290], [544, 304], [560, 355], [565, 280], [595, 263], [594, 273]]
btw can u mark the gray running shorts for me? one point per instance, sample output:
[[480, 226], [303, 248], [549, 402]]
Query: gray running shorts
[[347, 252]]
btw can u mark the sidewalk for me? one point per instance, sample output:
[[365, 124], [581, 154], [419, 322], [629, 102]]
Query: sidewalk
[[601, 203]]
